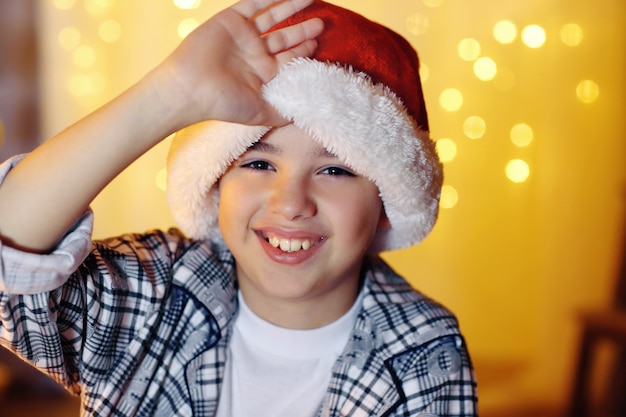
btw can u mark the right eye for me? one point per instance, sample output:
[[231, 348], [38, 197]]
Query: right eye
[[259, 165]]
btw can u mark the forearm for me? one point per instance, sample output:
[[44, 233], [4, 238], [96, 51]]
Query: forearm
[[45, 193]]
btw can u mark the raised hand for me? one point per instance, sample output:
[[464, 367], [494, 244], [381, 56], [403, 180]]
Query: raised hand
[[220, 67]]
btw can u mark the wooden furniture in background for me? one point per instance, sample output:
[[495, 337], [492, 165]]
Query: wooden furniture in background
[[603, 328], [19, 107]]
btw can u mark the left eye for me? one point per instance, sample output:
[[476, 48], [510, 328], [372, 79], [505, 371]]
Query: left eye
[[337, 171]]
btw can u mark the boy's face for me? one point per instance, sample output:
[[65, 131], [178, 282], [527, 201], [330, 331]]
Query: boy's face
[[298, 222]]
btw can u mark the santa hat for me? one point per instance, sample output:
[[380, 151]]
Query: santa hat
[[359, 96]]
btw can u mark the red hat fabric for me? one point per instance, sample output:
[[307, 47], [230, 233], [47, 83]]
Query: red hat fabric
[[360, 96], [382, 54]]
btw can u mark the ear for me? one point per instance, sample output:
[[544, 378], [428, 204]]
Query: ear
[[383, 220]]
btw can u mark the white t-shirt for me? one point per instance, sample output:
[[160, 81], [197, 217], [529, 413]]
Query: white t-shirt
[[276, 372]]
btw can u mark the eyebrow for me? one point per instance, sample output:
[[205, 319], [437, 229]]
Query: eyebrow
[[261, 146], [265, 147]]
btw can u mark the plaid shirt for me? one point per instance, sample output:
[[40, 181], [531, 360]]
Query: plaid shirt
[[141, 327]]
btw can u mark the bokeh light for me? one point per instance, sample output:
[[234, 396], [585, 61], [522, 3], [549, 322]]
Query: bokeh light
[[84, 56], [446, 149], [587, 91], [474, 127], [69, 38], [161, 179], [517, 170], [417, 23], [505, 31], [572, 34], [187, 4], [186, 26], [521, 135], [468, 49], [97, 7], [110, 31], [451, 99], [83, 85], [449, 197], [533, 36], [485, 68]]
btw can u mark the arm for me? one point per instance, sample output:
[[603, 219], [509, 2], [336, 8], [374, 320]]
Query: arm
[[216, 73]]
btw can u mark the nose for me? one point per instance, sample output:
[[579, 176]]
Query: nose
[[292, 198]]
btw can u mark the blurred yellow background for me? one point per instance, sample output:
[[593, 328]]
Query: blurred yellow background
[[526, 100]]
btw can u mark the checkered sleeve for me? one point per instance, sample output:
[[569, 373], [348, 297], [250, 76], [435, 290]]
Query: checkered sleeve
[[30, 273], [75, 333]]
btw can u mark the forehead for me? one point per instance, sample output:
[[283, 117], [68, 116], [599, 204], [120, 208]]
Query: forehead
[[316, 150], [288, 139]]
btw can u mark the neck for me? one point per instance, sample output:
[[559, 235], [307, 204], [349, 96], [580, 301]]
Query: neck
[[302, 313]]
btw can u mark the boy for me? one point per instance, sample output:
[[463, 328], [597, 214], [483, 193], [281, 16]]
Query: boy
[[275, 304]]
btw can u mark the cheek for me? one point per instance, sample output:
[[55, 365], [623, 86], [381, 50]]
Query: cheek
[[358, 213], [234, 206]]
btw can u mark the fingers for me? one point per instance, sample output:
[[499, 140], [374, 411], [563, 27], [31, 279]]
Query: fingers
[[267, 13], [277, 13], [304, 49], [287, 38]]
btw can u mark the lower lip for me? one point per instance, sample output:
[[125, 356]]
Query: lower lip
[[288, 258]]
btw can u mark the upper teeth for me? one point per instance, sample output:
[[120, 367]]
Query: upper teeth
[[290, 245]]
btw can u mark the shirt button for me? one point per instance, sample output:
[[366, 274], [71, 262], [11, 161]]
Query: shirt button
[[444, 361]]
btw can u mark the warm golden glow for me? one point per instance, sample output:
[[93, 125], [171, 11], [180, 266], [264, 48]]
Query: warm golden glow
[[537, 102], [505, 31], [449, 197], [521, 135], [485, 68], [587, 91], [79, 85], [474, 127], [451, 99], [69, 38], [517, 170], [505, 80], [110, 31], [446, 149], [468, 49], [534, 36], [417, 23], [424, 72]]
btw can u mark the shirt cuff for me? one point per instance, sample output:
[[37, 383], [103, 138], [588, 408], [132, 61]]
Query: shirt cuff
[[30, 273]]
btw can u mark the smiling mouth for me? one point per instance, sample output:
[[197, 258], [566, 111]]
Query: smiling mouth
[[292, 245]]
